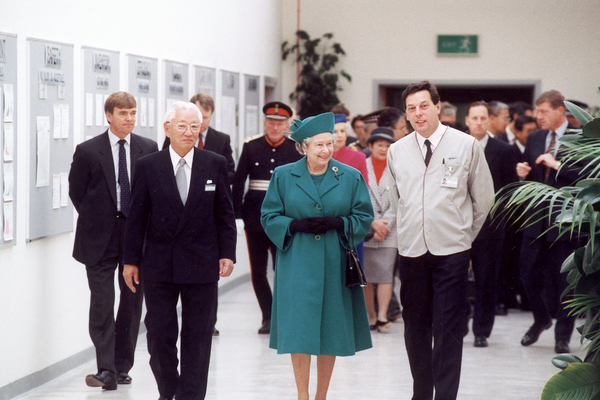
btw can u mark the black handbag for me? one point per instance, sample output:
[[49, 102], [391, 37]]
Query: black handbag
[[355, 276]]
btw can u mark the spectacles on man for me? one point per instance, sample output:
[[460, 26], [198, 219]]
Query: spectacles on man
[[180, 127]]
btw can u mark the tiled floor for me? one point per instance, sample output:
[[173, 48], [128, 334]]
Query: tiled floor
[[243, 367]]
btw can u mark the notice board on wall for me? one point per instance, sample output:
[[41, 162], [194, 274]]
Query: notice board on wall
[[142, 82], [8, 129], [100, 79], [51, 137]]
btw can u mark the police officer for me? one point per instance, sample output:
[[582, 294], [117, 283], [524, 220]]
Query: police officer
[[260, 156]]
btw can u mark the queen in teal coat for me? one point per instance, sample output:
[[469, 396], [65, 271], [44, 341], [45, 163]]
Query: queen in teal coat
[[306, 213]]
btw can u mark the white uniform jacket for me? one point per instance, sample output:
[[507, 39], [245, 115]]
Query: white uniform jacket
[[432, 215]]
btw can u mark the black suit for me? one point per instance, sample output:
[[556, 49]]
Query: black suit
[[509, 284], [217, 142], [98, 245], [541, 257], [502, 136], [177, 248], [486, 251]]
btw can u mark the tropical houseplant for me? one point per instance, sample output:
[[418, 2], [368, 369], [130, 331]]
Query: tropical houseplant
[[529, 202], [318, 83]]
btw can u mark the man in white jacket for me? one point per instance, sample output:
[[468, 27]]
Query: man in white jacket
[[442, 191]]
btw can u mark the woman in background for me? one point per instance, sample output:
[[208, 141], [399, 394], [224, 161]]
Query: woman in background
[[380, 251]]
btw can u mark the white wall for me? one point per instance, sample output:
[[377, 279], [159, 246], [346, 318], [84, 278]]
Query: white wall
[[554, 42], [44, 296]]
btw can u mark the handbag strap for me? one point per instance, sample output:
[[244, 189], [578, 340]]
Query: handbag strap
[[351, 234]]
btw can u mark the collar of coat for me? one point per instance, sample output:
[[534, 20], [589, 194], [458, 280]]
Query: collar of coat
[[335, 171]]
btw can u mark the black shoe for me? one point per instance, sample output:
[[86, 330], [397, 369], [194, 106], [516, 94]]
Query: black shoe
[[215, 331], [501, 309], [123, 378], [562, 346], [480, 341], [165, 398], [380, 325], [392, 317], [105, 379], [265, 329], [533, 333]]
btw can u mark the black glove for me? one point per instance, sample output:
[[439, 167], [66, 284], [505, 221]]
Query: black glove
[[329, 223], [307, 225]]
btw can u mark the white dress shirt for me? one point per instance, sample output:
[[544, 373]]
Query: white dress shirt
[[189, 158]]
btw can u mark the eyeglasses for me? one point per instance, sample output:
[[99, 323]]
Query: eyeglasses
[[195, 128]]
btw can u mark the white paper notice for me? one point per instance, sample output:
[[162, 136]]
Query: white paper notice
[[143, 114], [99, 109], [42, 91], [228, 116], [57, 124], [251, 120], [43, 151], [89, 109], [55, 191], [60, 92], [151, 112], [9, 141], [104, 101], [7, 193], [8, 221], [9, 103], [64, 116], [64, 189]]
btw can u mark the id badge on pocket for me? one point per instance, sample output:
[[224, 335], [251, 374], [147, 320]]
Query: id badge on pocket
[[448, 180]]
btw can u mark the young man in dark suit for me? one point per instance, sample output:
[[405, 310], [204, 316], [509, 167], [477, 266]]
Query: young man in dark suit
[[486, 251], [542, 252], [180, 238], [100, 191]]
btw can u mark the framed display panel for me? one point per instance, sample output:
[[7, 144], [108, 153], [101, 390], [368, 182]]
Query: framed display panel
[[229, 108], [206, 82], [100, 79], [251, 100], [51, 137], [142, 82], [176, 82], [8, 129]]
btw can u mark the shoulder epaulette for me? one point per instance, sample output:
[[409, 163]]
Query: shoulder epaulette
[[251, 138]]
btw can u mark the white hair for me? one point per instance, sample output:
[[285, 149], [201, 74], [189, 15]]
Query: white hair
[[301, 146], [179, 106]]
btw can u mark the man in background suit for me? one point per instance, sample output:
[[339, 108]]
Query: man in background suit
[[209, 138], [542, 252], [100, 191], [180, 237], [486, 252]]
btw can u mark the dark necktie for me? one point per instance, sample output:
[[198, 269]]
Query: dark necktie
[[551, 148], [200, 142], [428, 153], [123, 179]]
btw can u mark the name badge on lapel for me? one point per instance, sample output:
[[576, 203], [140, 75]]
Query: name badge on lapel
[[210, 186], [448, 180]]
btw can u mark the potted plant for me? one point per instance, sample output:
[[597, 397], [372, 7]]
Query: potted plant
[[528, 202], [318, 84]]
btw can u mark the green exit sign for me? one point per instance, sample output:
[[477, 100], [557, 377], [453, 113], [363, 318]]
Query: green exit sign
[[457, 44]]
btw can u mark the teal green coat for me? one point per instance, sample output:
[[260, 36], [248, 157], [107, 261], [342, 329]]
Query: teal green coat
[[313, 311]]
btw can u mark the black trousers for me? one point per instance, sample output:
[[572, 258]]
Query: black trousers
[[197, 321], [433, 295], [541, 259], [114, 341], [259, 246], [486, 255]]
